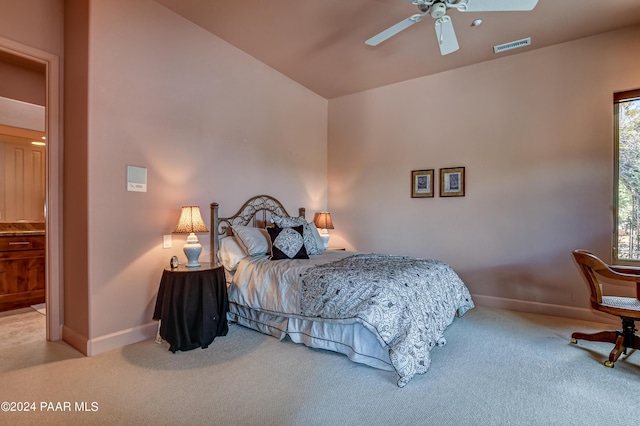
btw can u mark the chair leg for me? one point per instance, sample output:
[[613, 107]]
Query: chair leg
[[623, 339], [618, 349], [603, 336]]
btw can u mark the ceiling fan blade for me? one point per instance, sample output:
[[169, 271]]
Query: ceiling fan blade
[[447, 39], [495, 5], [395, 29]]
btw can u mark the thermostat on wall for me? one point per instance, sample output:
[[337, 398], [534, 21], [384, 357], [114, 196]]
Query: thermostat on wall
[[136, 179]]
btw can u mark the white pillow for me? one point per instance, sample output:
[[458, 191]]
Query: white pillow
[[254, 241], [230, 253]]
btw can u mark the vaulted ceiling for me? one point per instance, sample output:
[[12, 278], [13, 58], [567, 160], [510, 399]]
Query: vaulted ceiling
[[320, 43]]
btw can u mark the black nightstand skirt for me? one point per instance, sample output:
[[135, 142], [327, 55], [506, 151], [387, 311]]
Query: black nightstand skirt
[[192, 307]]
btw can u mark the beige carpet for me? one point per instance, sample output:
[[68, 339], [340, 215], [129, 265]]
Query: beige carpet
[[498, 368]]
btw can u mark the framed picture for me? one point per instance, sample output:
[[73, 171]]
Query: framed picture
[[452, 182], [422, 183]]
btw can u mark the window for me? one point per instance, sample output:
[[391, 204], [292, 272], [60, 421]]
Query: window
[[627, 179]]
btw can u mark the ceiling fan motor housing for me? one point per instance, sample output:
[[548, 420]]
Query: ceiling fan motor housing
[[438, 10]]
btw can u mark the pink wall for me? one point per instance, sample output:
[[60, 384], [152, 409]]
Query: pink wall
[[208, 122], [21, 81], [534, 132], [36, 23]]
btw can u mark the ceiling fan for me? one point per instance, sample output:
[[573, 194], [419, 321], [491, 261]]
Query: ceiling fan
[[443, 25]]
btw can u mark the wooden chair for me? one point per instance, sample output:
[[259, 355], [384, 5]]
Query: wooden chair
[[627, 308]]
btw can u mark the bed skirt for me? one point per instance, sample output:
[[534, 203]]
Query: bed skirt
[[352, 339]]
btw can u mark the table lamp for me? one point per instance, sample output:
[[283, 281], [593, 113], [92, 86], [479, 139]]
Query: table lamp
[[191, 222], [323, 222]]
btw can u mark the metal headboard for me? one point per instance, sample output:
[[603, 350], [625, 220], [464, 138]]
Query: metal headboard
[[256, 211]]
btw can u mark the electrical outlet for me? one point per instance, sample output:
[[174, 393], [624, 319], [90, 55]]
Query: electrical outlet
[[166, 242]]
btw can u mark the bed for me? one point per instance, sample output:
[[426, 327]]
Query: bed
[[383, 311]]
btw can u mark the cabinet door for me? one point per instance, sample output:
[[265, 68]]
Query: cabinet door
[[22, 280], [24, 188]]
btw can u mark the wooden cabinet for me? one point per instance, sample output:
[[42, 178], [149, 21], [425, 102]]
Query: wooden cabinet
[[22, 271]]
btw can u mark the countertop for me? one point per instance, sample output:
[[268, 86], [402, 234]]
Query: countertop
[[21, 233], [18, 229]]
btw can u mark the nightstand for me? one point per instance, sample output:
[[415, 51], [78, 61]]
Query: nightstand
[[192, 306]]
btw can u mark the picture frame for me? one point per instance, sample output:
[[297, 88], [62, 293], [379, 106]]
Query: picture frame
[[452, 182], [422, 183], [173, 263]]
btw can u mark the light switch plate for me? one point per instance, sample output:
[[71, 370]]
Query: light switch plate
[[166, 242]]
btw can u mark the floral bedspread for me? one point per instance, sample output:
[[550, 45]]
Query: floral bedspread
[[407, 301]]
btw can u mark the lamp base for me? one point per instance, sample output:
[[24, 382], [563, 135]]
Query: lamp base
[[192, 250], [324, 234]]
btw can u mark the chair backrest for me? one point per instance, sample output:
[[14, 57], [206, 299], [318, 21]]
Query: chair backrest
[[591, 266], [588, 263]]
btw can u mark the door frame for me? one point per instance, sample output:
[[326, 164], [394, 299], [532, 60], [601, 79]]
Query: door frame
[[53, 184]]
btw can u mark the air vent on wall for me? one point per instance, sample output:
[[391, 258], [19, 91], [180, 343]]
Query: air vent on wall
[[512, 45]]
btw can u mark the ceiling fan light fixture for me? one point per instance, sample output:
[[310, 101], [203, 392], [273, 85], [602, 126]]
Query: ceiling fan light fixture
[[438, 10]]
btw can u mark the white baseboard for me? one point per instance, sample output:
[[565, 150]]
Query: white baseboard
[[121, 338], [76, 340], [583, 314], [98, 345]]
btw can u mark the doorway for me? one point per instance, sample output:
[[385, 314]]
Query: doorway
[[53, 181]]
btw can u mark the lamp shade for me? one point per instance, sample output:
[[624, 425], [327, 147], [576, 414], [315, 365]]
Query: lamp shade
[[190, 221], [322, 220]]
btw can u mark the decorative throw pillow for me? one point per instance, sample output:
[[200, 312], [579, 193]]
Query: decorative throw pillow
[[288, 222], [310, 243], [287, 243]]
